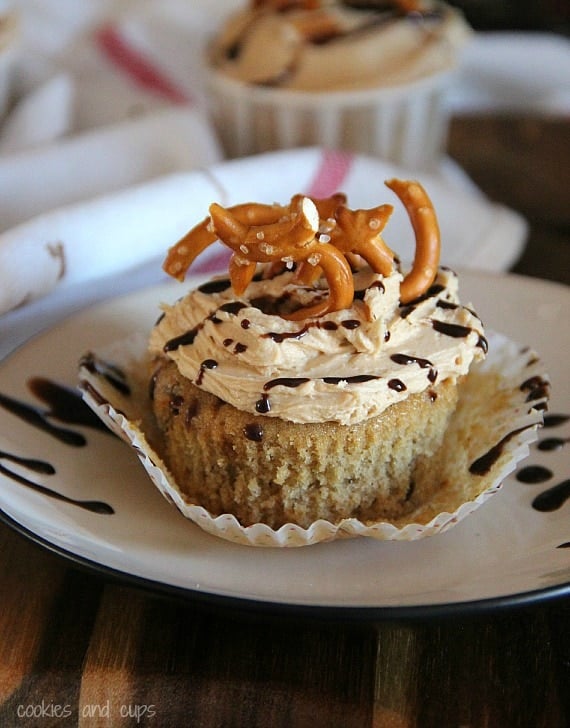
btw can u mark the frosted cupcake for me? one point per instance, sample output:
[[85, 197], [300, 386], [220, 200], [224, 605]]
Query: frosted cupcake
[[365, 76], [320, 390]]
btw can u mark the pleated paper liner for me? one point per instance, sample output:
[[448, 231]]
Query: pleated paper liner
[[500, 409]]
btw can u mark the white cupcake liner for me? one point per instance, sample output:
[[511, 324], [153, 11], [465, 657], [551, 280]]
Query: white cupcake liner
[[405, 124], [497, 412]]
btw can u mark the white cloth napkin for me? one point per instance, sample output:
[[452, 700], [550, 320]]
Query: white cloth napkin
[[514, 72], [102, 160], [97, 109]]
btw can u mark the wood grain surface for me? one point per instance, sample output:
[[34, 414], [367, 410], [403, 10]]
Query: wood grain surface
[[76, 649]]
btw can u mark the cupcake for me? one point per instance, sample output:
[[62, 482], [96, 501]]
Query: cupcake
[[315, 391], [365, 76]]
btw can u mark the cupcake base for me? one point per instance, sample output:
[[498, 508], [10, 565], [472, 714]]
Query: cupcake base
[[264, 469]]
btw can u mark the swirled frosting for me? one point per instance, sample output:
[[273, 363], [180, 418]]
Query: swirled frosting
[[335, 45], [345, 366]]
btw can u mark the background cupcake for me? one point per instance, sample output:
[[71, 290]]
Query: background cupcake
[[363, 75]]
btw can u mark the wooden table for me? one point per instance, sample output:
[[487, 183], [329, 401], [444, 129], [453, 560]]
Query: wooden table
[[76, 648]]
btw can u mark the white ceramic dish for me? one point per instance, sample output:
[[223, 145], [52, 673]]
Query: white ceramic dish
[[507, 552], [405, 124]]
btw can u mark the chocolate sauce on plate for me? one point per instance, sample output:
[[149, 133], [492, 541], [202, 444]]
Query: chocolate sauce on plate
[[483, 464], [65, 405], [40, 418], [534, 474], [553, 498], [552, 443]]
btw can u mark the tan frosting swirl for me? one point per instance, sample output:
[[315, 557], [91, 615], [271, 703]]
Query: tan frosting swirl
[[345, 367], [332, 45]]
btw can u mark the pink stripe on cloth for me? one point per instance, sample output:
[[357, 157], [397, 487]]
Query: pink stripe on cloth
[[139, 68], [331, 173]]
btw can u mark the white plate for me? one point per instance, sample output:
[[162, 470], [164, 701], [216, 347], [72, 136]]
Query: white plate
[[506, 553]]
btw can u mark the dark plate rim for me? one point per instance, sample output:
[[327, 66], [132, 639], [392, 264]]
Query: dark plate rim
[[268, 608]]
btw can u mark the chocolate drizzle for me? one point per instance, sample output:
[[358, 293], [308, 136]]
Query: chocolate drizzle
[[293, 382], [175, 404], [253, 432], [454, 330], [447, 305], [113, 374], [233, 307], [537, 388], [215, 286], [37, 466], [483, 464], [204, 366], [263, 405], [94, 506], [290, 382], [432, 291], [65, 405], [406, 359], [356, 379], [553, 498], [188, 337], [39, 418], [359, 295], [554, 420], [185, 339], [457, 331], [556, 496], [534, 474], [552, 443], [280, 336], [350, 324]]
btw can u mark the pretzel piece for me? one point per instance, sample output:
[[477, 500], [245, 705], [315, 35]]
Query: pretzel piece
[[181, 255], [290, 238], [321, 236], [241, 273], [339, 279], [428, 240], [267, 243], [358, 232]]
